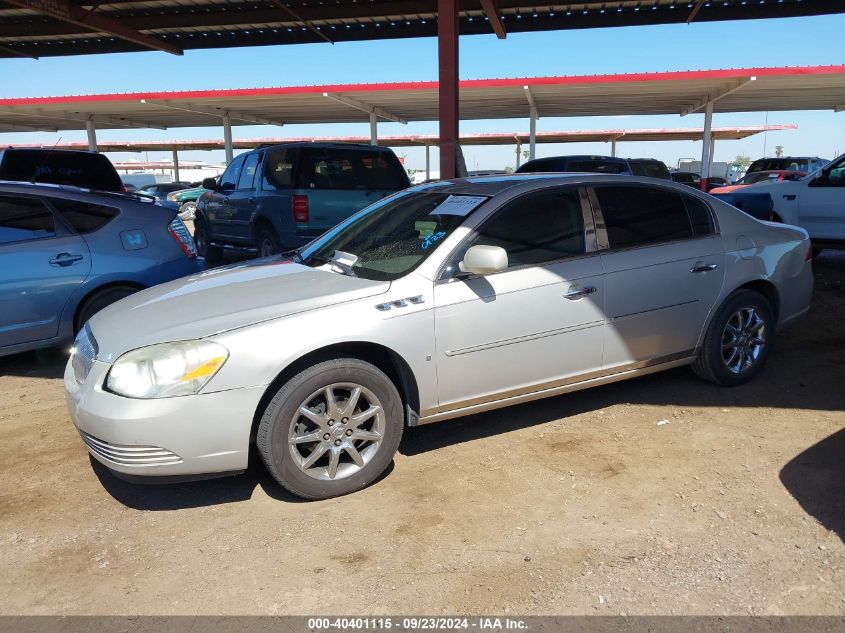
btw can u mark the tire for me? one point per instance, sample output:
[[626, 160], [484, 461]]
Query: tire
[[212, 254], [267, 241], [188, 210], [723, 364], [327, 439], [99, 300]]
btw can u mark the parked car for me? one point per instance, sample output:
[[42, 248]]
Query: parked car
[[815, 203], [649, 167], [789, 163], [186, 200], [87, 170], [446, 299], [777, 175], [66, 253], [160, 190], [592, 164], [693, 180], [278, 197]]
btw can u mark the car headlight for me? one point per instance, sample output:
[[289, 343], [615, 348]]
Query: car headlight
[[166, 370], [171, 196]]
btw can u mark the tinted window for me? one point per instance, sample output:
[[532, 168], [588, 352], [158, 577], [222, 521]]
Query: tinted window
[[24, 219], [598, 166], [80, 169], [248, 171], [700, 216], [278, 172], [641, 215], [648, 167], [769, 164], [537, 228], [230, 177], [350, 169], [84, 217]]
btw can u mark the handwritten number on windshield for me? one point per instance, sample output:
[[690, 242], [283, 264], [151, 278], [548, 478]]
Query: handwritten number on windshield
[[432, 238]]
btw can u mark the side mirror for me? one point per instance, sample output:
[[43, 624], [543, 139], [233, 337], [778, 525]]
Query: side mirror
[[484, 260], [209, 183]]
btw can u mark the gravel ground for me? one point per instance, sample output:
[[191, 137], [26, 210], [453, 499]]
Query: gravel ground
[[578, 504]]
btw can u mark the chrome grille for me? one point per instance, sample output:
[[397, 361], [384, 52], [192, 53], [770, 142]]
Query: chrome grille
[[130, 455], [84, 353]]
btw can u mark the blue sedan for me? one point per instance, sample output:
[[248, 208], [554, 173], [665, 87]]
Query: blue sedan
[[66, 253]]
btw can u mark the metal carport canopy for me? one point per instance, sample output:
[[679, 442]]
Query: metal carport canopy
[[684, 92], [498, 138]]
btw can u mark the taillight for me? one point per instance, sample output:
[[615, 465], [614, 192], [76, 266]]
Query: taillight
[[123, 189], [181, 234], [809, 256], [300, 209]]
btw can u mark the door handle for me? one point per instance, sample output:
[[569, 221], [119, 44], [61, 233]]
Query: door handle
[[65, 259], [577, 292], [702, 268]]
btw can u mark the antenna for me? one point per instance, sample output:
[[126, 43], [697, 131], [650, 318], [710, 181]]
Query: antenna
[[44, 162]]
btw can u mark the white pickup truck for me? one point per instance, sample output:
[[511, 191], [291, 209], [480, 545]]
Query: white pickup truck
[[815, 203]]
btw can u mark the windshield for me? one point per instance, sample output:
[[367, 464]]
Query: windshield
[[760, 176], [774, 164], [390, 239]]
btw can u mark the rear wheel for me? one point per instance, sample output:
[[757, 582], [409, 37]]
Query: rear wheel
[[738, 340], [212, 254], [267, 240], [331, 429], [99, 300]]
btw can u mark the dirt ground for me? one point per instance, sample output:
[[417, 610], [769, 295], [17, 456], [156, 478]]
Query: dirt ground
[[577, 504]]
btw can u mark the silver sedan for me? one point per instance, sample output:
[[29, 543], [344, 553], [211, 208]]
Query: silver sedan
[[443, 300]]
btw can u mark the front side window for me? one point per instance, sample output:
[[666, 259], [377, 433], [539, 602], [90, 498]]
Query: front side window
[[535, 229], [248, 171], [24, 219], [390, 239], [229, 179], [638, 216], [834, 176]]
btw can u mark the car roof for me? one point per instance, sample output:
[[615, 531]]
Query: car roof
[[48, 189], [356, 146], [43, 150], [493, 185]]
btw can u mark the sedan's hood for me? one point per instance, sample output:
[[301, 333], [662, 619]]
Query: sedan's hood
[[219, 300]]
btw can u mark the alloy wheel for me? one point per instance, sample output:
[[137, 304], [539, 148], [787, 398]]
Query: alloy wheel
[[743, 339], [336, 431]]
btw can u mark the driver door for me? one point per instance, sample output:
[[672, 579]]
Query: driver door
[[218, 208], [821, 203], [536, 325]]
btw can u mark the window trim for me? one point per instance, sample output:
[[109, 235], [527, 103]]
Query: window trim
[[257, 171], [242, 158], [601, 227], [590, 235]]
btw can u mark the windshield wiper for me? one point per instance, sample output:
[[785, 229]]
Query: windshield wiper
[[336, 264]]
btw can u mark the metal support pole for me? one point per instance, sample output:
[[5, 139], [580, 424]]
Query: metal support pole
[[532, 135], [175, 164], [227, 138], [428, 162], [518, 154], [712, 153], [373, 129], [705, 145], [447, 52], [92, 135], [613, 148]]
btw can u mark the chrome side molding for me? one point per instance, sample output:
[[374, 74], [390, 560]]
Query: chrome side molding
[[400, 303]]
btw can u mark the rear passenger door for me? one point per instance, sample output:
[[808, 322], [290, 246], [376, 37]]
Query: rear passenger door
[[41, 264], [663, 262]]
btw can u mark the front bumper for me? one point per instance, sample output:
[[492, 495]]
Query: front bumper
[[182, 436]]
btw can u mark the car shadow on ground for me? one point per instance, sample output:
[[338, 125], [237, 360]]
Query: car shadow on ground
[[41, 363], [816, 479]]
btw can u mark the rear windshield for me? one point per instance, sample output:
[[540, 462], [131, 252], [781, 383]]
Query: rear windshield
[[79, 169], [770, 164], [650, 168], [592, 165], [337, 168]]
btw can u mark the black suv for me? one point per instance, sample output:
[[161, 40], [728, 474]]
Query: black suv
[[86, 170], [279, 197]]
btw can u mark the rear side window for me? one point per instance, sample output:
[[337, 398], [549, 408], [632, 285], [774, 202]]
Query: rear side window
[[23, 219], [537, 228], [701, 218], [278, 170], [637, 216], [349, 169], [79, 169], [84, 217]]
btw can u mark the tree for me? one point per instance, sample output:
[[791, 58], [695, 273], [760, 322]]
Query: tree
[[778, 150], [741, 161]]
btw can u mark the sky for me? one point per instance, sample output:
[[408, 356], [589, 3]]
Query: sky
[[697, 46]]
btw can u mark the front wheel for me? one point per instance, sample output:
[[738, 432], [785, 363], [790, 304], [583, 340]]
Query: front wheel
[[212, 254], [331, 429], [188, 210], [738, 340]]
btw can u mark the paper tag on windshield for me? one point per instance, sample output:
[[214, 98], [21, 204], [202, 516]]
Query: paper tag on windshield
[[458, 205]]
